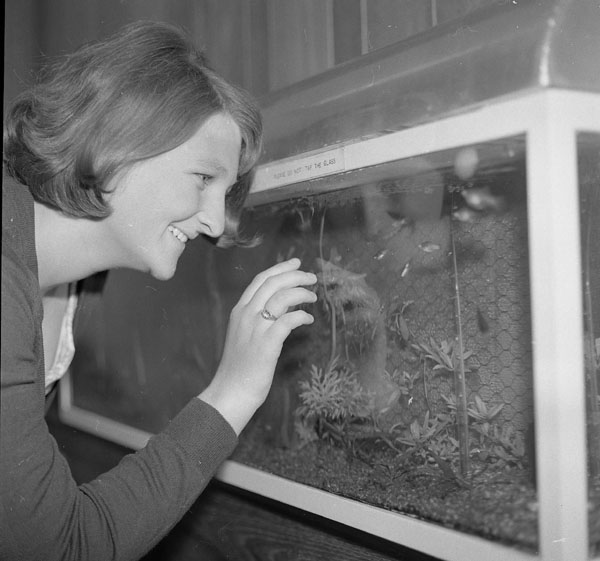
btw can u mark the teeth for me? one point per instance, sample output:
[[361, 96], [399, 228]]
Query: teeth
[[178, 234]]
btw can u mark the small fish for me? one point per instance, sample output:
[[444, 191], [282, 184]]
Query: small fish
[[400, 222], [380, 255], [397, 226], [405, 269], [429, 247], [482, 199], [464, 214]]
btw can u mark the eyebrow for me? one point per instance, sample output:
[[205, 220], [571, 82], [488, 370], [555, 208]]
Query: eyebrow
[[213, 163]]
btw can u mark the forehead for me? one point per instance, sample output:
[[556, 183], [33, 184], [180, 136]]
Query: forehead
[[217, 142]]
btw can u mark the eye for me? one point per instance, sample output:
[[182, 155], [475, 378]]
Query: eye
[[204, 179]]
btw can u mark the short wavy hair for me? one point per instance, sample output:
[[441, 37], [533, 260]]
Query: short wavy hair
[[97, 111]]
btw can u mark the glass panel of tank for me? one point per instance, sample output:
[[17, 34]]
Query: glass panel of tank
[[588, 149]]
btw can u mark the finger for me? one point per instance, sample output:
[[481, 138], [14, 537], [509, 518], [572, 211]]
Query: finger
[[289, 321], [280, 284], [257, 282], [281, 301]]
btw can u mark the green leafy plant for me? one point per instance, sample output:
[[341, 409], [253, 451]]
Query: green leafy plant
[[405, 381], [450, 356], [331, 399], [420, 434], [398, 322], [503, 445], [444, 355], [480, 412], [491, 443]]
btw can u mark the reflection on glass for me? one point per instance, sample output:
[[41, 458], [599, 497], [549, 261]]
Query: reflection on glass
[[588, 147], [412, 391]]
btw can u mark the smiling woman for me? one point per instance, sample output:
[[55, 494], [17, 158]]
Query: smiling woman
[[123, 153]]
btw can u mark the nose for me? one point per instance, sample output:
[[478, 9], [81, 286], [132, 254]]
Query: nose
[[212, 216]]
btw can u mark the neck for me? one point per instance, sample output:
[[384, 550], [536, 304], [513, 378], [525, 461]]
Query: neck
[[67, 248]]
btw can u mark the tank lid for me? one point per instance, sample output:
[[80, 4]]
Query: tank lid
[[508, 48]]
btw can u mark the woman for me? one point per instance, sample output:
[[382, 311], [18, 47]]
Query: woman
[[129, 149]]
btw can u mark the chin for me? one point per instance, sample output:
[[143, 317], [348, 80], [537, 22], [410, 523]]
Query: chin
[[163, 275], [163, 271]]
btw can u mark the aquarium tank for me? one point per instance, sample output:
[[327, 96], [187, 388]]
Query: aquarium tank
[[447, 395], [412, 391]]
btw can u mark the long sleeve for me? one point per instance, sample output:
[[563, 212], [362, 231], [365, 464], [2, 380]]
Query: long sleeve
[[121, 514]]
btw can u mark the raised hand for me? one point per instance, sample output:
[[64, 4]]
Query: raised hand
[[258, 325]]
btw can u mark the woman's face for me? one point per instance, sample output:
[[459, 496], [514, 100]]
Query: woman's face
[[163, 202]]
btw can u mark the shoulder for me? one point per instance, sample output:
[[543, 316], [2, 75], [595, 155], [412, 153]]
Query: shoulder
[[18, 280], [21, 315]]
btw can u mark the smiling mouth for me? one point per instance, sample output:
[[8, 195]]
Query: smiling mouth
[[178, 234]]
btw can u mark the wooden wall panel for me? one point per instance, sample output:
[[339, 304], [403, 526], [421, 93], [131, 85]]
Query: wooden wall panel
[[347, 29], [231, 31], [263, 45], [390, 21], [451, 9], [300, 39], [255, 47], [21, 47]]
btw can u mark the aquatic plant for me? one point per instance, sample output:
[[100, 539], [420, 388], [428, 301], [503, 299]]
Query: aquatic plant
[[444, 355], [430, 440], [420, 433], [331, 399], [491, 442], [405, 381], [398, 323], [503, 444], [479, 411]]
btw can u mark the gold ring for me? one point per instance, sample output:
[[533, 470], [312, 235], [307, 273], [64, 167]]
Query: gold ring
[[268, 315]]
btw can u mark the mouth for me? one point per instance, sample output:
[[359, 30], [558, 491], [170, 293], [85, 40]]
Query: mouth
[[178, 234]]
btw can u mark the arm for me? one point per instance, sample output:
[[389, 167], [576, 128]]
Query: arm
[[123, 513]]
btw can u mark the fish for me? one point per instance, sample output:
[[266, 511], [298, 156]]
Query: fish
[[380, 255], [482, 199], [464, 214], [397, 226], [429, 247], [405, 269]]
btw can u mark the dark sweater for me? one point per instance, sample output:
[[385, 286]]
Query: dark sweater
[[43, 514]]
